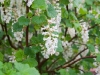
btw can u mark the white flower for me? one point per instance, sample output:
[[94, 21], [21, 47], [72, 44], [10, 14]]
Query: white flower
[[82, 1], [67, 53], [30, 36], [18, 35], [82, 47], [70, 1], [29, 3], [96, 49], [57, 53], [70, 6], [71, 31]]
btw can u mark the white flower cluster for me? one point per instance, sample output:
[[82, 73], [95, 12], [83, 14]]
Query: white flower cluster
[[51, 41], [29, 3], [18, 9], [50, 33], [7, 14], [13, 11], [1, 1], [71, 31], [12, 59], [84, 32], [68, 52], [96, 49], [82, 47], [70, 5], [18, 35]]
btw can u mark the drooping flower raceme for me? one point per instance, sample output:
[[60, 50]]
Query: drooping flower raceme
[[7, 16], [67, 50], [71, 31], [50, 33], [84, 32]]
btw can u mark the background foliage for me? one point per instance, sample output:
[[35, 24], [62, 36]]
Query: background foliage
[[49, 37]]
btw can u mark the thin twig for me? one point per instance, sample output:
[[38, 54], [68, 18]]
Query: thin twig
[[27, 10]]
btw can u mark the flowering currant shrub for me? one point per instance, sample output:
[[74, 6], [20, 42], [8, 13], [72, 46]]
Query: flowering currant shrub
[[49, 37]]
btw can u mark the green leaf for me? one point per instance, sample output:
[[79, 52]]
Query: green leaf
[[60, 48], [91, 47], [44, 73], [11, 72], [77, 26], [72, 16], [1, 73], [97, 21], [35, 49], [98, 58], [24, 69], [67, 22], [39, 4], [89, 2], [39, 19], [27, 51], [64, 2], [1, 65], [72, 72], [7, 66], [64, 13], [83, 11], [20, 66], [51, 12], [17, 27], [90, 16], [75, 47], [19, 55], [1, 56], [63, 72], [38, 39], [76, 2], [23, 21], [31, 61], [1, 34], [30, 71]]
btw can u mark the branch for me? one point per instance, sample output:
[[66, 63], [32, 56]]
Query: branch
[[40, 64], [76, 56], [72, 38], [75, 9], [5, 29], [73, 62], [2, 26], [78, 69], [10, 42], [93, 26], [73, 58], [52, 64], [27, 10], [65, 31]]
